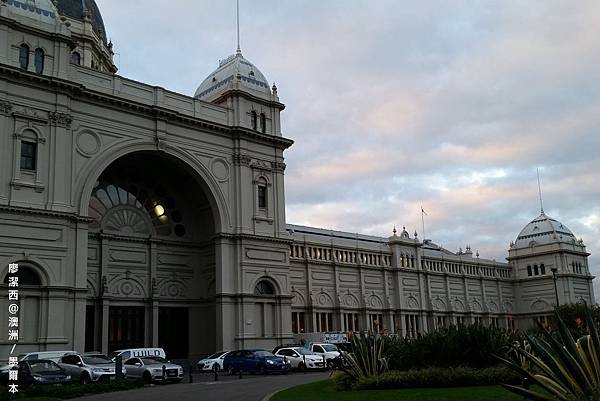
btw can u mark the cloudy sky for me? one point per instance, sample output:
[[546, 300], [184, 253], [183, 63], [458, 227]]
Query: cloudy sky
[[394, 104]]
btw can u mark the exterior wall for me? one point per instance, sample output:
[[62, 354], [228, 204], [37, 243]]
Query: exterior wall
[[82, 123]]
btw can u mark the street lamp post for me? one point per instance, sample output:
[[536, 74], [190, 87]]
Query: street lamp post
[[554, 270]]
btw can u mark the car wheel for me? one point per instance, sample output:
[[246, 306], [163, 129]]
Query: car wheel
[[301, 366], [261, 370], [84, 379], [147, 377]]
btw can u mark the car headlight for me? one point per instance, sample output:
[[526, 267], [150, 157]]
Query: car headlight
[[97, 370], [68, 378], [156, 370], [270, 362], [180, 369], [38, 378]]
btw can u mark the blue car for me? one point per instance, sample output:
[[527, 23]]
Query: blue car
[[254, 361]]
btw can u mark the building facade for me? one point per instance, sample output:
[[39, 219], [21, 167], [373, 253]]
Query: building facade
[[143, 217]]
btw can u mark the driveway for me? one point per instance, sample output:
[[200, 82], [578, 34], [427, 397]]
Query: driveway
[[228, 388]]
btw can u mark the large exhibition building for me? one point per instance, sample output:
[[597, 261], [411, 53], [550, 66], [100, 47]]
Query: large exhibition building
[[143, 217]]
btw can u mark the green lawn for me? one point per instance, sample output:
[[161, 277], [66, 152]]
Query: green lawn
[[324, 391]]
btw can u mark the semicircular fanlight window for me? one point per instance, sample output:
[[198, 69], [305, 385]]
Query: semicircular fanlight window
[[128, 208]]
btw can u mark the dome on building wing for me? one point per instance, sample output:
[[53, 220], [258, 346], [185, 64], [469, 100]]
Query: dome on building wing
[[79, 10], [233, 68], [544, 230]]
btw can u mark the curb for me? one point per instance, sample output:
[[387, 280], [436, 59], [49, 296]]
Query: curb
[[268, 396]]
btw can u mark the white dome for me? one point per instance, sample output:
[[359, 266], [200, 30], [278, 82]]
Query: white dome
[[42, 11], [544, 230], [234, 66]]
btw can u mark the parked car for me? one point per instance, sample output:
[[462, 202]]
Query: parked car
[[255, 361], [213, 362], [150, 368], [51, 355], [89, 368], [301, 358], [138, 353], [38, 371], [329, 351]]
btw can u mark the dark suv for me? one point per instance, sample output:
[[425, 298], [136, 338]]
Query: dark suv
[[256, 361]]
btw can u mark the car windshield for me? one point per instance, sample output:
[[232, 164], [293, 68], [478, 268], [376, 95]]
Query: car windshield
[[215, 356], [263, 353], [44, 367], [153, 360], [303, 351], [113, 354], [329, 347], [96, 360]]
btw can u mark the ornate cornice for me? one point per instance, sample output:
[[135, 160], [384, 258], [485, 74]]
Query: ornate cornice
[[78, 90], [253, 237], [47, 213]]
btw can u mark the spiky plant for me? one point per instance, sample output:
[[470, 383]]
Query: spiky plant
[[567, 370], [366, 358]]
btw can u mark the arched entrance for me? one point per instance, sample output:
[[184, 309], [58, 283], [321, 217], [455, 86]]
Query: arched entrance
[[151, 257]]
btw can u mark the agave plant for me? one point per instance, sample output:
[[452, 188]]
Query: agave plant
[[567, 370], [366, 358]]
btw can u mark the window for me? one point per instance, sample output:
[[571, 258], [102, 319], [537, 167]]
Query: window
[[298, 322], [39, 61], [262, 197], [28, 156], [76, 58], [536, 271], [543, 269], [324, 322], [24, 56], [253, 119], [263, 123], [529, 271], [27, 276], [264, 288]]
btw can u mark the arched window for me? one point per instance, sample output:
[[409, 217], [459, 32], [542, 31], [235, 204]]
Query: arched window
[[39, 60], [24, 56], [264, 288], [529, 271], [263, 123], [536, 271], [254, 119], [76, 58], [543, 269], [27, 276]]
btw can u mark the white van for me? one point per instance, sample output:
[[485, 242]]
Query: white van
[[137, 353]]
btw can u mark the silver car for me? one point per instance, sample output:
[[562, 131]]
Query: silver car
[[153, 368], [89, 368]]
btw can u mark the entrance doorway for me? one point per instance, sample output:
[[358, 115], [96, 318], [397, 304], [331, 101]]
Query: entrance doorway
[[173, 326], [125, 327]]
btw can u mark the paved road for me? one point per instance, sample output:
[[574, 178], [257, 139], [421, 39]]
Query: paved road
[[228, 388]]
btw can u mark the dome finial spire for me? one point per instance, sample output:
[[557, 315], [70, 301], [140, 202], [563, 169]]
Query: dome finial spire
[[239, 49], [540, 191]]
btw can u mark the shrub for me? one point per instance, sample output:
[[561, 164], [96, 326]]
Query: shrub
[[469, 346], [565, 369], [366, 358], [432, 377]]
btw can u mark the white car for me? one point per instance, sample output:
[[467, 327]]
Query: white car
[[301, 358], [153, 368], [329, 351], [213, 362]]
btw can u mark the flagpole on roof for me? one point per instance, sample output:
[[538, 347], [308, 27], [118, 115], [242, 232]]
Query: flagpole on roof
[[540, 191], [239, 49], [423, 213]]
